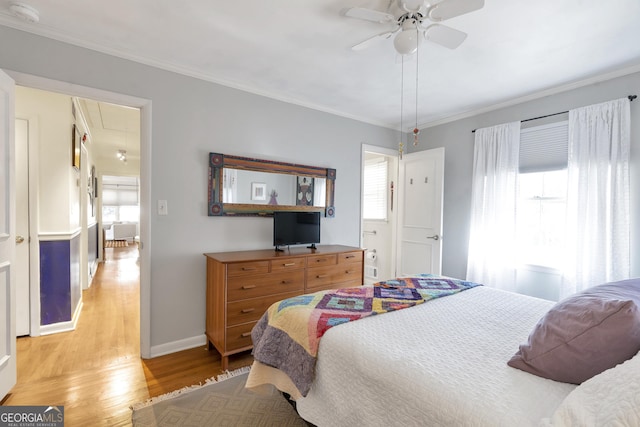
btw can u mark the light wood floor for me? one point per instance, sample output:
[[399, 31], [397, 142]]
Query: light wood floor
[[96, 371]]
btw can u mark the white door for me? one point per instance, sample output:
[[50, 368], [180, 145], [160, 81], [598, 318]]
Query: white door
[[22, 227], [7, 237], [420, 218]]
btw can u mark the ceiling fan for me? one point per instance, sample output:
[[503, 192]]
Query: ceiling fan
[[415, 18]]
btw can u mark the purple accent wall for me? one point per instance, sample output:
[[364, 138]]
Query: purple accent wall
[[60, 287], [55, 279]]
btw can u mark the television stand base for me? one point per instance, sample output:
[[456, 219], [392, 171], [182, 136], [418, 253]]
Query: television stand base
[[278, 249], [312, 246]]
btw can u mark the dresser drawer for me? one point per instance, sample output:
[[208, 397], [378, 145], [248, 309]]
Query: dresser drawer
[[239, 336], [239, 288], [247, 268], [282, 264], [250, 310], [321, 260], [349, 257], [326, 286], [333, 275]]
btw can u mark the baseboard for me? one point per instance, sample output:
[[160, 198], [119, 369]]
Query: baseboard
[[93, 268], [56, 328], [175, 346]]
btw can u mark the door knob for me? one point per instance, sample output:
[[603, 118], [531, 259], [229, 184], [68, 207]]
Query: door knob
[[434, 237], [19, 239]]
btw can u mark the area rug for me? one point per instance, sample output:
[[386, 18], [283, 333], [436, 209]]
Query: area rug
[[221, 402], [115, 244]]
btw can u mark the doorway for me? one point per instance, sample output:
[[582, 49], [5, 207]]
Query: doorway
[[402, 204], [145, 145], [379, 212]]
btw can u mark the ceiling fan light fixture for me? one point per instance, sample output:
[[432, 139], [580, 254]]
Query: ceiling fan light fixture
[[24, 12], [406, 42]]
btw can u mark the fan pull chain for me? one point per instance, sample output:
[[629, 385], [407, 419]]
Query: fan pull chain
[[401, 144], [416, 131]]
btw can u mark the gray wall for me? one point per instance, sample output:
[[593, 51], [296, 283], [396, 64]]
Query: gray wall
[[457, 139], [191, 118]]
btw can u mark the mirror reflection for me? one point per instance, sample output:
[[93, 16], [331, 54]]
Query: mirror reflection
[[268, 188], [244, 186]]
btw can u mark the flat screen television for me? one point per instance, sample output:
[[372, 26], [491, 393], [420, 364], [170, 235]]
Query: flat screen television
[[296, 228]]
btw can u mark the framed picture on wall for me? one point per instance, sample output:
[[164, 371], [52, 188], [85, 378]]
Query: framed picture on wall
[[258, 191], [75, 148]]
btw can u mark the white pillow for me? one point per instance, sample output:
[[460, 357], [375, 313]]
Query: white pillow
[[611, 398]]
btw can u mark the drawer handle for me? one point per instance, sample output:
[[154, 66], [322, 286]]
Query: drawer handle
[[288, 264], [350, 256], [246, 287], [348, 272], [321, 276], [321, 260], [248, 268], [284, 282], [247, 310], [246, 334]]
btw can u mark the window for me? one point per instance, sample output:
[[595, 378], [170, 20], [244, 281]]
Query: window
[[375, 189], [109, 214], [542, 198], [540, 219], [129, 213], [120, 200]]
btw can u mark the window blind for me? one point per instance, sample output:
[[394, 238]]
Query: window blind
[[119, 195], [544, 148], [375, 189]]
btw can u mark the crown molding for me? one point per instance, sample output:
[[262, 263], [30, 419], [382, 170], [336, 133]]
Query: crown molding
[[43, 31], [537, 95]]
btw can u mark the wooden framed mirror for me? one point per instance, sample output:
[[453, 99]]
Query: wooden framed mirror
[[242, 186]]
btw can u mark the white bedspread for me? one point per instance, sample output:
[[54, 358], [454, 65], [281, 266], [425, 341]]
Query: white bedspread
[[442, 363]]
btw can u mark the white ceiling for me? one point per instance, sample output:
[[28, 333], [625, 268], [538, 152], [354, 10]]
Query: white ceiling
[[299, 51], [112, 128]]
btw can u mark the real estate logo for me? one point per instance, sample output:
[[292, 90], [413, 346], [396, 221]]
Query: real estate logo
[[31, 416]]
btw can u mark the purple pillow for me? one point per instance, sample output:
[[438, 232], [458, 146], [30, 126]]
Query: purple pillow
[[585, 334]]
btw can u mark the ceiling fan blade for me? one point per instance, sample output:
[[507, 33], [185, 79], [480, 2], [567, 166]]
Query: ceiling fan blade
[[368, 15], [371, 40], [448, 9], [445, 36]]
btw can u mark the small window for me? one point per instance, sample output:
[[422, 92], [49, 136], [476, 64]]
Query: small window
[[375, 189]]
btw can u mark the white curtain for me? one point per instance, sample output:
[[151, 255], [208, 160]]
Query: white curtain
[[598, 196], [492, 239]]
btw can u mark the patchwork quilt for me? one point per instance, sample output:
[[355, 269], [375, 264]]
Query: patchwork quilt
[[288, 334]]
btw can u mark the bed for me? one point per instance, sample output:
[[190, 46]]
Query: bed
[[444, 363]]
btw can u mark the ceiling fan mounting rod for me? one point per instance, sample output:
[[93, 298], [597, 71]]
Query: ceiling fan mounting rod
[[416, 16]]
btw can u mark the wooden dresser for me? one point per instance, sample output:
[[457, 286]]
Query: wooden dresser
[[242, 285]]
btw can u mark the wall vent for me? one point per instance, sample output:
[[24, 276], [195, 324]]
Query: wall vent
[[371, 271]]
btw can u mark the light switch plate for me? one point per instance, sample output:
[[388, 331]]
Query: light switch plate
[[163, 209]]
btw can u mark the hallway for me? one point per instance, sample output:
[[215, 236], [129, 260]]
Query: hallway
[[95, 372]]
